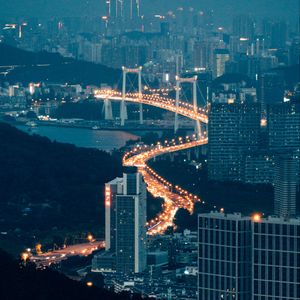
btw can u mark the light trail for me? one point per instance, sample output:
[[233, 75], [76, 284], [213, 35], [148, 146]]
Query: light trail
[[174, 196], [184, 108], [56, 256]]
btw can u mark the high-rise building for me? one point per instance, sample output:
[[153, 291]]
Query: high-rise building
[[125, 220], [284, 130], [224, 261], [221, 56], [276, 259], [131, 254], [233, 129], [248, 258], [285, 187], [112, 189], [279, 35], [131, 9], [258, 167], [271, 88], [202, 57], [243, 27], [284, 126]]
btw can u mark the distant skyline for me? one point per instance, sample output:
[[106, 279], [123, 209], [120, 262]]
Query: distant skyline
[[223, 9]]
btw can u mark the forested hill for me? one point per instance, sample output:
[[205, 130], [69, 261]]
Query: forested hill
[[50, 67], [45, 184], [19, 282]]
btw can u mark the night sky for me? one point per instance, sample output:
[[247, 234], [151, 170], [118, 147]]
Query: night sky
[[287, 9]]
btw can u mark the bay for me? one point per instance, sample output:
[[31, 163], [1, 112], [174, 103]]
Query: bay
[[106, 140]]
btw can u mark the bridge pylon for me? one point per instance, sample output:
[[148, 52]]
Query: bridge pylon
[[107, 108], [123, 109], [193, 81]]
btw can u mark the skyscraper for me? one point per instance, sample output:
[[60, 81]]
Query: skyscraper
[[131, 255], [125, 220], [284, 126], [248, 258], [112, 189], [202, 55], [243, 27], [271, 88], [221, 56], [279, 35], [131, 9], [284, 130], [276, 259], [285, 187], [233, 129], [224, 260]]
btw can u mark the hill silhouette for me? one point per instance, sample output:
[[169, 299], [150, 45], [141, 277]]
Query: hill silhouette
[[52, 67], [19, 282], [45, 184]]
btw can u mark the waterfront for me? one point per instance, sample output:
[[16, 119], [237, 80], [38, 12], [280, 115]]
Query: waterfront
[[100, 139]]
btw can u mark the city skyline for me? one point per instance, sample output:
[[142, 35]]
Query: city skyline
[[150, 149], [260, 9]]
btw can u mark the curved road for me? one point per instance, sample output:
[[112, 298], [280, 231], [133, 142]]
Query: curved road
[[174, 196]]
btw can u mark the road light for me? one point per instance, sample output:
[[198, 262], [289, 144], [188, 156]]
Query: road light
[[25, 257], [90, 238]]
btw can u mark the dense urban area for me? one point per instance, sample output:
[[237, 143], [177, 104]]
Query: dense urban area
[[150, 151]]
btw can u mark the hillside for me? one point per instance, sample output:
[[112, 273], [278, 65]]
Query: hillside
[[46, 184], [49, 67], [19, 282]]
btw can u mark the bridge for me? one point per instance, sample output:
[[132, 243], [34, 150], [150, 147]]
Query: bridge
[[174, 196]]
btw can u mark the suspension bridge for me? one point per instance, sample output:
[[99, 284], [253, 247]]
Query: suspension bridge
[[174, 196]]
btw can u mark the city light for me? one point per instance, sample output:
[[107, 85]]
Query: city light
[[175, 197], [90, 238], [183, 108], [256, 217], [263, 122], [25, 256]]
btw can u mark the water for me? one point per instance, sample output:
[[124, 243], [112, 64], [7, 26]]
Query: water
[[101, 139]]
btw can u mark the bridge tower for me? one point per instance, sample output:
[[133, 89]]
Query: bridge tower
[[193, 81], [123, 110], [107, 108]]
